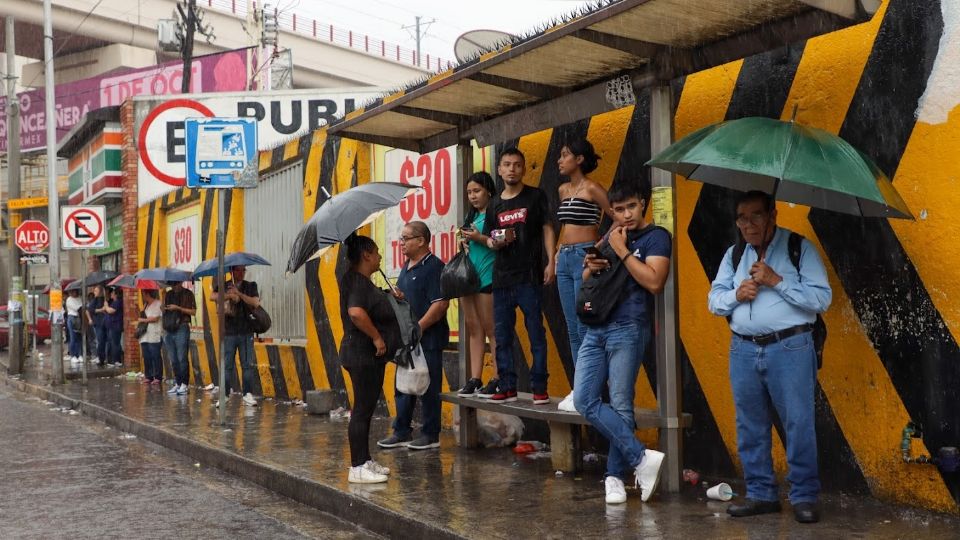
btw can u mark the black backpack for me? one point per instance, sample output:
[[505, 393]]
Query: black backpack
[[793, 249], [599, 295]]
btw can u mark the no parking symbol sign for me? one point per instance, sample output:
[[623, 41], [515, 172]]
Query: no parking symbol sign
[[83, 227]]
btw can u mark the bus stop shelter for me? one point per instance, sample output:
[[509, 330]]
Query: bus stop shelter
[[595, 62]]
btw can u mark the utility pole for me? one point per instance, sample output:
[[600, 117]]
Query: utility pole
[[418, 33], [187, 53], [191, 22], [15, 361], [53, 207]]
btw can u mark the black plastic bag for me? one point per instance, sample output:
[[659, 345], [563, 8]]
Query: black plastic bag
[[459, 277]]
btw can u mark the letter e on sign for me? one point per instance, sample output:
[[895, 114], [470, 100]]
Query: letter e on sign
[[83, 227]]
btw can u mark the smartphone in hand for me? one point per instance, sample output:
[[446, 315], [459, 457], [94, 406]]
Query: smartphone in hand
[[593, 250]]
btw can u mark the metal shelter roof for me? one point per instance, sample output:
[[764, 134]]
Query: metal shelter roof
[[560, 74]]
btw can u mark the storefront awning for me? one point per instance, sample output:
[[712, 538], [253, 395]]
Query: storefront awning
[[564, 72]]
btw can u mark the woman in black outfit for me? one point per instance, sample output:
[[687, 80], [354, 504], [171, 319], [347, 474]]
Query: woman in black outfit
[[371, 336]]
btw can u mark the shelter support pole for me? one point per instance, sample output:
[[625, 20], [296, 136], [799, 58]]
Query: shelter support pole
[[468, 415], [669, 386], [221, 291], [83, 318]]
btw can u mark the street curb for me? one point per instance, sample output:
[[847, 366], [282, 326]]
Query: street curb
[[323, 497]]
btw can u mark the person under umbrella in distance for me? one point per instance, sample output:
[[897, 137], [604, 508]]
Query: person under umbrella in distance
[[150, 340], [179, 306], [241, 295], [114, 323]]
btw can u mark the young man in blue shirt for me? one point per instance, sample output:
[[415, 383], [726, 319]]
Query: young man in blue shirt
[[419, 282], [611, 352], [771, 304]]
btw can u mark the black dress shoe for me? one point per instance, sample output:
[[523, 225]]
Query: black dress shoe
[[806, 512], [753, 507]]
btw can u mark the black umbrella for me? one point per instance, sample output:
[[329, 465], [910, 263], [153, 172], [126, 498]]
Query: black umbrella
[[99, 277], [76, 285], [341, 215]]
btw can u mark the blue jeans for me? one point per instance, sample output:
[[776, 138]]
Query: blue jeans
[[610, 355], [114, 349], [101, 331], [73, 337], [505, 302], [244, 345], [569, 279], [429, 401], [177, 344], [779, 376], [152, 365]]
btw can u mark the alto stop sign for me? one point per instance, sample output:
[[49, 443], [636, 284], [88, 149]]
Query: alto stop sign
[[32, 236]]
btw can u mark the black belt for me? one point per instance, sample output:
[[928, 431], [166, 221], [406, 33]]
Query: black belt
[[767, 339]]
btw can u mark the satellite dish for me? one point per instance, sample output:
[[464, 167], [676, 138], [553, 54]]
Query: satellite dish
[[473, 42]]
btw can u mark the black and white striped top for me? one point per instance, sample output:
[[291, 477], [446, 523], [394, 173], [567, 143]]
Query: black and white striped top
[[576, 211]]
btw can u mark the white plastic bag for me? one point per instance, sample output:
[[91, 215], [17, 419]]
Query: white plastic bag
[[414, 381]]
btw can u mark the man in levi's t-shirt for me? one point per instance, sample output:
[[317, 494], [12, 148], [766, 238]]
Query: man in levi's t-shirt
[[518, 228]]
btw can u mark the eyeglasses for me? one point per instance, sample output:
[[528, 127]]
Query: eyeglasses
[[408, 238], [755, 219]]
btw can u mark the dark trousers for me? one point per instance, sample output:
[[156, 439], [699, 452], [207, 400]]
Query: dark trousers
[[429, 401], [367, 384], [177, 344], [152, 366], [114, 352], [101, 331]]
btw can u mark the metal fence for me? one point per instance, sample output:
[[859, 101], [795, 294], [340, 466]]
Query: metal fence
[[273, 215]]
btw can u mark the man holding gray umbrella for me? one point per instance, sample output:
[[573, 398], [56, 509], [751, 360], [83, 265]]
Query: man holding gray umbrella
[[771, 287]]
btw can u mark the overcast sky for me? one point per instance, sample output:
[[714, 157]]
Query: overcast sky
[[384, 19]]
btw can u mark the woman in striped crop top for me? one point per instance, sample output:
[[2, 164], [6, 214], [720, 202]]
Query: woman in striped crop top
[[582, 204]]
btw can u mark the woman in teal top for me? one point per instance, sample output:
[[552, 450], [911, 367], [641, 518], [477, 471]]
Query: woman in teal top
[[478, 308]]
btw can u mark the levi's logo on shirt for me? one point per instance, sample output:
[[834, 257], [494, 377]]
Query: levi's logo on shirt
[[513, 216]]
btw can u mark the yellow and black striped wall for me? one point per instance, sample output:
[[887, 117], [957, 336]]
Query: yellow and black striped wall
[[891, 356]]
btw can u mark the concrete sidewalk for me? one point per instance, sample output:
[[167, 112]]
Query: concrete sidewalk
[[450, 493]]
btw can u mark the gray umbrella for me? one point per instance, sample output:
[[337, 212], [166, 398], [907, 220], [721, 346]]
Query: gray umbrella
[[341, 215]]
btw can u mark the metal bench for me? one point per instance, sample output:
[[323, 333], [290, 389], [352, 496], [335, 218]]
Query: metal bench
[[565, 430]]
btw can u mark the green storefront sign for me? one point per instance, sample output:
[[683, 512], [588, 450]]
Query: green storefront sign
[[114, 236]]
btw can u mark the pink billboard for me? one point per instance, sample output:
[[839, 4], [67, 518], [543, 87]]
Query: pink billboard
[[221, 72]]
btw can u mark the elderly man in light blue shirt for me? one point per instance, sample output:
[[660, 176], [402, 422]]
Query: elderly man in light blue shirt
[[771, 304]]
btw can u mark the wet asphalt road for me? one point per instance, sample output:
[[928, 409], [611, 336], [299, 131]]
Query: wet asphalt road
[[66, 476]]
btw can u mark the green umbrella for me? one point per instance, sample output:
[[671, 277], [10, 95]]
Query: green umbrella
[[795, 163]]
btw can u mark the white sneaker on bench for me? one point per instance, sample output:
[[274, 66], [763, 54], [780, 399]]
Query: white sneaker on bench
[[566, 404]]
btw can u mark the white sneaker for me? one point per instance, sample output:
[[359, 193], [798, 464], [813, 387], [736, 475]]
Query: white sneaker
[[181, 390], [567, 404], [209, 387], [376, 467], [648, 473], [363, 475], [173, 389], [616, 493], [249, 400]]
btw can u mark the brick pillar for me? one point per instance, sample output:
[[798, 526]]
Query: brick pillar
[[130, 256]]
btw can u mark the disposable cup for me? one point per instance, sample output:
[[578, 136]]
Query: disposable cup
[[720, 492]]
